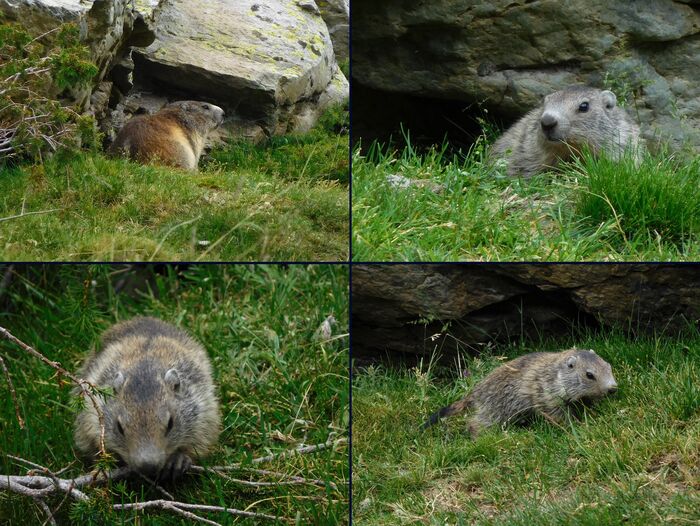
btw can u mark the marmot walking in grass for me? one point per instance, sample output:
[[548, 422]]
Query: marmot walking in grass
[[163, 409], [567, 121], [175, 135], [536, 383]]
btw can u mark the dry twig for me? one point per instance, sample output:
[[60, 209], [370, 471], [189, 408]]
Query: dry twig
[[17, 216], [182, 506], [299, 451]]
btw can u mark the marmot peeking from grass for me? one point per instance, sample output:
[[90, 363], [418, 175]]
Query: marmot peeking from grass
[[567, 121], [541, 383], [163, 409], [175, 135]]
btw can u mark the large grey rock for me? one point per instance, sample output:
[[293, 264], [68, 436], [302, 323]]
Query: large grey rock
[[269, 62], [44, 15], [336, 14], [511, 53], [416, 310]]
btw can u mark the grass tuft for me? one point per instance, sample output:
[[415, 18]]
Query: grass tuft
[[660, 196], [590, 210]]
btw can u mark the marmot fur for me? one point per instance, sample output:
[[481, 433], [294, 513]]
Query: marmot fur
[[163, 408], [175, 135], [567, 120], [537, 383]]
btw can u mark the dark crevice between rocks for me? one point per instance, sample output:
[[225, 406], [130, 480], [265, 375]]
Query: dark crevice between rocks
[[566, 65], [531, 318], [198, 83], [380, 115]]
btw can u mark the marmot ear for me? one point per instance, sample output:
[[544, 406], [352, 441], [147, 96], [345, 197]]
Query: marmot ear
[[117, 381], [172, 379], [571, 361], [609, 99]]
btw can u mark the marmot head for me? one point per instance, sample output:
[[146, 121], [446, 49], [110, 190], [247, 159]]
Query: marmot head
[[585, 376], [578, 116], [196, 115], [148, 417]]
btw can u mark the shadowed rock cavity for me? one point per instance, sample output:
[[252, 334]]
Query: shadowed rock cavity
[[408, 312]]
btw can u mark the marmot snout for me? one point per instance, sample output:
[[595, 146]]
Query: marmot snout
[[175, 135], [163, 409], [567, 121], [536, 383]]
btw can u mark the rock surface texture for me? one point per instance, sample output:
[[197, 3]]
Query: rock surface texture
[[510, 53], [409, 310], [336, 13]]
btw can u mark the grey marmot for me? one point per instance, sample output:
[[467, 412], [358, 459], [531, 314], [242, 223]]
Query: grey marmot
[[567, 120], [174, 135], [162, 411], [541, 383]]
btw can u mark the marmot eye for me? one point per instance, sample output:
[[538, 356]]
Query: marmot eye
[[120, 428], [590, 375], [206, 107], [170, 425], [583, 107]]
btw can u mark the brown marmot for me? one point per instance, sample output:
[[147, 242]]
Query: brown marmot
[[537, 383], [163, 409], [174, 135], [568, 120]]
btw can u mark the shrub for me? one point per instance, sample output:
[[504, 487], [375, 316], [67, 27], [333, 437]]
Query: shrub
[[34, 74]]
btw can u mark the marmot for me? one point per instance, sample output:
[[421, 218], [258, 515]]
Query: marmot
[[174, 135], [537, 383], [567, 120], [163, 409]]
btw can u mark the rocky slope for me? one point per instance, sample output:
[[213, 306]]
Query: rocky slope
[[269, 63]]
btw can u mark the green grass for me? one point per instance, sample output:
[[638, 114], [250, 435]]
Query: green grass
[[590, 210], [632, 459], [285, 199], [278, 386]]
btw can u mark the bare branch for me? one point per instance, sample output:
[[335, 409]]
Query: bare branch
[[285, 479], [299, 451], [50, 519], [168, 504], [41, 36], [301, 480]]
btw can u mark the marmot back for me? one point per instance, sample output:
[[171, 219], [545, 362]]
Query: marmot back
[[175, 135], [536, 383], [567, 121], [163, 410]]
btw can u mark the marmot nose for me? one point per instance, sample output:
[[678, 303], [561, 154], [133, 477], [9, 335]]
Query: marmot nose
[[548, 122], [612, 389]]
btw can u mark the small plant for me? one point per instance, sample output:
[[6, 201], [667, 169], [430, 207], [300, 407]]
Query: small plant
[[34, 73]]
